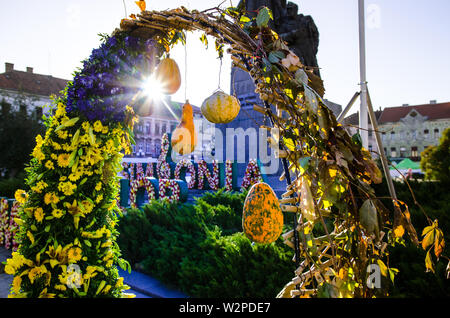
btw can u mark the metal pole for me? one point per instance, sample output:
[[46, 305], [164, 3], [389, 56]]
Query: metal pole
[[363, 124], [347, 108], [384, 162]]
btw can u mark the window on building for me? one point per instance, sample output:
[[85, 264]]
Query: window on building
[[147, 128], [402, 152], [370, 148], [426, 133], [148, 146], [392, 135], [414, 152], [413, 134], [157, 132], [393, 152], [436, 132]]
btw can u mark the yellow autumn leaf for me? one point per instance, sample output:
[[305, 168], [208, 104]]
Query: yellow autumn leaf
[[429, 262], [439, 243], [399, 231], [141, 4], [383, 267], [429, 234]]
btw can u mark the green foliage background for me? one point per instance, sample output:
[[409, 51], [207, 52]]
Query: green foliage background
[[201, 249], [435, 160], [412, 280]]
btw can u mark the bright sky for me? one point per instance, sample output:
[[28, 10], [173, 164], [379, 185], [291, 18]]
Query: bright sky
[[408, 44]]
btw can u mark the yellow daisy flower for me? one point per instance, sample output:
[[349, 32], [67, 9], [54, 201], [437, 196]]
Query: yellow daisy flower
[[49, 165], [63, 160], [74, 254], [57, 213], [39, 214], [68, 188], [21, 196], [98, 127]]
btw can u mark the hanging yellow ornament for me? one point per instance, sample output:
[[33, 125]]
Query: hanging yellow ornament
[[220, 108]]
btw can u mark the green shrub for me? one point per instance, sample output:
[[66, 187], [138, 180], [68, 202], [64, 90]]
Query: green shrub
[[9, 186], [200, 248]]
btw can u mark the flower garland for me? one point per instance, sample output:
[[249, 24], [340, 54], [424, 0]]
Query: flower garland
[[171, 186], [252, 175], [139, 171], [185, 163], [213, 179], [131, 172], [68, 219], [124, 171], [149, 170], [138, 183], [11, 240], [163, 167], [4, 220], [228, 175]]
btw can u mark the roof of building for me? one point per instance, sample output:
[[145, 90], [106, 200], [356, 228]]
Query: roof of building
[[431, 111], [32, 83], [353, 119]]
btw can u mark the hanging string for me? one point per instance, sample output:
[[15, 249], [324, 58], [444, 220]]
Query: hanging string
[[185, 67], [220, 73], [125, 8]]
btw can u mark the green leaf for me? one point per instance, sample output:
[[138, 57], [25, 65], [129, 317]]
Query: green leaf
[[264, 16], [368, 217], [276, 56], [87, 243], [304, 164], [301, 76], [311, 100]]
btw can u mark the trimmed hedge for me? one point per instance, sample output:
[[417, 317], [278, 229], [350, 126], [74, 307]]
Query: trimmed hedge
[[200, 249]]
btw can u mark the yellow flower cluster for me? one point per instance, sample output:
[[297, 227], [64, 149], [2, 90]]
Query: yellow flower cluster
[[72, 188]]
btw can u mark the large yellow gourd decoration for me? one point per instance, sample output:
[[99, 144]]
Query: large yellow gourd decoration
[[220, 108], [184, 137], [262, 219], [168, 75]]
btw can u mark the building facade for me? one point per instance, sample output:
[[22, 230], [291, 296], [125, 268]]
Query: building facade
[[28, 91], [165, 118], [409, 130], [406, 131]]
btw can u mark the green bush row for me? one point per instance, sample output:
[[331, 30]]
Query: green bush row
[[201, 249]]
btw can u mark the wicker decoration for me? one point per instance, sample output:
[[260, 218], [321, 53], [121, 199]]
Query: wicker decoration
[[329, 174]]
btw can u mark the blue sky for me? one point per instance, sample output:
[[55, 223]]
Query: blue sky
[[407, 42]]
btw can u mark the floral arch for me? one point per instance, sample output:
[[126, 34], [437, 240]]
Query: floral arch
[[67, 221]]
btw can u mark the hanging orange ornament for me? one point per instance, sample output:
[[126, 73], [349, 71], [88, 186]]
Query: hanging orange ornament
[[168, 75], [184, 137]]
